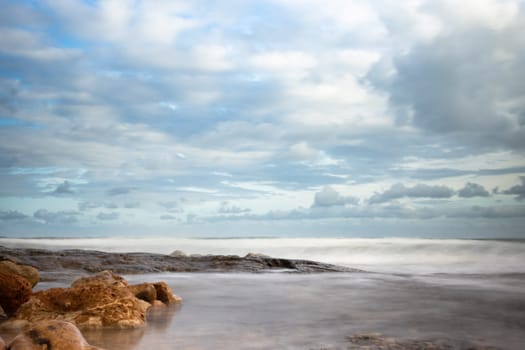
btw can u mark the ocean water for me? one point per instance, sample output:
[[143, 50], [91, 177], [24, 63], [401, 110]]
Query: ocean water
[[459, 291]]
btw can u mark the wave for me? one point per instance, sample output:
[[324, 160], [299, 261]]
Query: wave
[[388, 255]]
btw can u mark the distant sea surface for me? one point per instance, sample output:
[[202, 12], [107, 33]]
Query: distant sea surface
[[458, 291]]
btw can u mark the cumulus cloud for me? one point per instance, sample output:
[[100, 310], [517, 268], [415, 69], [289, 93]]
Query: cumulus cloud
[[108, 216], [328, 197], [399, 190], [473, 190], [12, 215], [116, 191], [83, 206], [472, 88], [59, 217], [227, 208], [64, 188], [517, 190]]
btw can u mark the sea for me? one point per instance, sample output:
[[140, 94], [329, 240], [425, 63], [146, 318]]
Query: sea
[[460, 292]]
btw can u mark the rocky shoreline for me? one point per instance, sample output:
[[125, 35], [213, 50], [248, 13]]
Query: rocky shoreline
[[135, 263]]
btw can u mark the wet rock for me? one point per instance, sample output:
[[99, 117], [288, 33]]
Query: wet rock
[[376, 341], [51, 335], [178, 254], [96, 261], [99, 301], [165, 294], [144, 291], [106, 278], [3, 315], [14, 291], [28, 272]]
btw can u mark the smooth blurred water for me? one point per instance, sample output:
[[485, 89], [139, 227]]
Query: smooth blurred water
[[318, 311]]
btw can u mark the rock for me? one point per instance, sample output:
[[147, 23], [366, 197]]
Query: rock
[[3, 315], [96, 261], [165, 294], [51, 335], [28, 272], [144, 291], [178, 254], [376, 341], [2, 344], [106, 278], [14, 291], [102, 300], [255, 256]]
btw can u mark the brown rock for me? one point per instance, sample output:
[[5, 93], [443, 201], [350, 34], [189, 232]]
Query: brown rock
[[3, 315], [106, 278], [51, 334], [102, 300], [2, 344], [28, 272], [165, 294], [14, 291], [144, 291]]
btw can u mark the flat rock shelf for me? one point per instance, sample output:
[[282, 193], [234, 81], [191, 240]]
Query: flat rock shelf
[[132, 263]]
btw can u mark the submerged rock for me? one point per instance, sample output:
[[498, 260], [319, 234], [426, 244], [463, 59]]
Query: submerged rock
[[28, 272], [51, 335], [376, 341], [14, 291]]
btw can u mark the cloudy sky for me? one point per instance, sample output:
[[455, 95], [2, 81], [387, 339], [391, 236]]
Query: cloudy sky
[[276, 117]]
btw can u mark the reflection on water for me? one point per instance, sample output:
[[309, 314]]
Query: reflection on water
[[159, 324], [287, 311]]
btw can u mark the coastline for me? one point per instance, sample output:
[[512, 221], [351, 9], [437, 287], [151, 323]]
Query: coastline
[[258, 302]]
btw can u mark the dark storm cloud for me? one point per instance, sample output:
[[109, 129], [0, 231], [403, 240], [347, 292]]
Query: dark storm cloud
[[399, 190], [59, 217], [517, 190], [473, 190], [328, 197]]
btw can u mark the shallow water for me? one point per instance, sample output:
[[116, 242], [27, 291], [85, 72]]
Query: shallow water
[[290, 311], [461, 290]]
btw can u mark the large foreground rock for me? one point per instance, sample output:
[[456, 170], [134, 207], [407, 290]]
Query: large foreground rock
[[100, 301], [14, 291], [51, 335], [28, 272], [104, 300]]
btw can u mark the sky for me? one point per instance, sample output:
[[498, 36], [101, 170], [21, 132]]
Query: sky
[[262, 118]]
